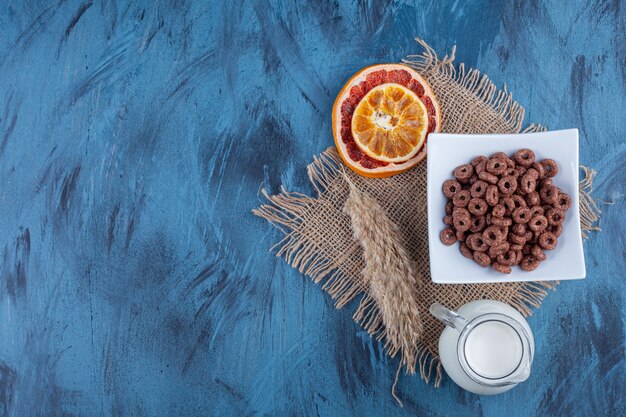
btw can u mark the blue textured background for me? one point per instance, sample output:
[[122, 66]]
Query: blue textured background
[[133, 141]]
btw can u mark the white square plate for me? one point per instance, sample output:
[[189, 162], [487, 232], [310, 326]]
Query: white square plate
[[447, 151]]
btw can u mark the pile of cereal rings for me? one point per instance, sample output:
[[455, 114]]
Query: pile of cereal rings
[[505, 211]]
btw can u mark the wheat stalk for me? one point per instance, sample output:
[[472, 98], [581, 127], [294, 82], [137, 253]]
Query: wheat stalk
[[389, 273]]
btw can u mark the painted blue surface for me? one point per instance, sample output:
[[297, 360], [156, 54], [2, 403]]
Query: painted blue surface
[[134, 138]]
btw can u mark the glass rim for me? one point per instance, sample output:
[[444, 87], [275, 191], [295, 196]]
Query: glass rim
[[525, 357]]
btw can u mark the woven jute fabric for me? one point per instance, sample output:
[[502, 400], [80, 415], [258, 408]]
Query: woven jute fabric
[[318, 236]]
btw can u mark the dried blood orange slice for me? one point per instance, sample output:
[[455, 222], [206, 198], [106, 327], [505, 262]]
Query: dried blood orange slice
[[354, 92], [389, 124]]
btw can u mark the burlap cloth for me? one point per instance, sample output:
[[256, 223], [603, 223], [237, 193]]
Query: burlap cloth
[[318, 238]]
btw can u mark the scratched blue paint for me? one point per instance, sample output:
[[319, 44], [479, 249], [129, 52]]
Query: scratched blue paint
[[134, 137]]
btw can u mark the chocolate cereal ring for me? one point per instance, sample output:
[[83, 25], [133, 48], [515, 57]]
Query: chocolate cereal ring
[[521, 215], [505, 232], [496, 166], [538, 253], [516, 247], [507, 258], [467, 252], [478, 160], [461, 223], [498, 155], [510, 172], [496, 250], [550, 167], [532, 172], [472, 179], [501, 221], [517, 239], [532, 199], [447, 236], [461, 198], [556, 229], [478, 189], [524, 157], [477, 206], [518, 201], [509, 205], [480, 167], [447, 220], [460, 211], [529, 263], [488, 177], [547, 241], [507, 185], [476, 242], [519, 255], [450, 188], [530, 235], [555, 216], [463, 172], [478, 224], [527, 249], [498, 210], [546, 182], [460, 236], [503, 269], [520, 170], [528, 183], [492, 196], [510, 163], [549, 194], [449, 207], [493, 235], [518, 229], [540, 170], [564, 202], [535, 210], [482, 258]]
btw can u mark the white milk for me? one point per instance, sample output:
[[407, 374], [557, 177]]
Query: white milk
[[493, 349]]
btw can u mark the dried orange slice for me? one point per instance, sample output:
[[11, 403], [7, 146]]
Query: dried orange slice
[[390, 123], [354, 92]]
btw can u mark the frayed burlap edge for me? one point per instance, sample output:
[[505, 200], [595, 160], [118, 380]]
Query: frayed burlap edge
[[287, 210]]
